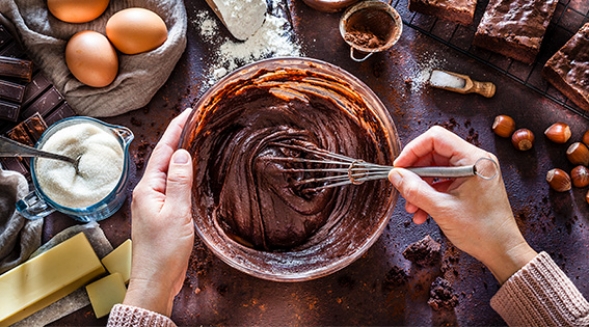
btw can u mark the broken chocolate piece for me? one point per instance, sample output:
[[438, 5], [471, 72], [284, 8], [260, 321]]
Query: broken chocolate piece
[[442, 295], [11, 91], [9, 111], [18, 68], [425, 252]]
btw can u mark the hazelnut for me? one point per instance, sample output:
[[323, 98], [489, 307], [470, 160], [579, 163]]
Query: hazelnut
[[580, 176], [522, 139], [586, 138], [503, 126], [558, 180], [558, 132], [578, 154], [587, 197]]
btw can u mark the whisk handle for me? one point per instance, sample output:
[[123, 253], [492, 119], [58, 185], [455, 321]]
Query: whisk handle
[[444, 172]]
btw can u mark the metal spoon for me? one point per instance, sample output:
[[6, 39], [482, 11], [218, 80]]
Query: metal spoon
[[11, 148]]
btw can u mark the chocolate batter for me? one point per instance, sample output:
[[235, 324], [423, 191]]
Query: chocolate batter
[[251, 197]]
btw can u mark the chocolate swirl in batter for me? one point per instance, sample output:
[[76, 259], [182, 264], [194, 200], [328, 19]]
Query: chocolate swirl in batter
[[251, 197]]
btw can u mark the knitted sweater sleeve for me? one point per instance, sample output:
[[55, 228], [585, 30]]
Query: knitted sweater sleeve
[[540, 294], [129, 316]]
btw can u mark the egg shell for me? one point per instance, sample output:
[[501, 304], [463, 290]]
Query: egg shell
[[136, 30], [77, 11], [91, 58]]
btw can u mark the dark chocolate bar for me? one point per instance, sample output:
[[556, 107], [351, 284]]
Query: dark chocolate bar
[[17, 68], [9, 111], [5, 36], [39, 84], [63, 111], [19, 133], [45, 103], [15, 164], [11, 91]]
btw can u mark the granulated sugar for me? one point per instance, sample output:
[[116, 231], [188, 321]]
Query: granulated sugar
[[274, 39], [99, 169]]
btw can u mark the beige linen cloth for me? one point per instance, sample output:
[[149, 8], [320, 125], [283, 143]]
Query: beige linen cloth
[[44, 38], [19, 237]]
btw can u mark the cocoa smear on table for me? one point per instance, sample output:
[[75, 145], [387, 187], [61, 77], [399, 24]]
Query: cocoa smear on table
[[363, 37]]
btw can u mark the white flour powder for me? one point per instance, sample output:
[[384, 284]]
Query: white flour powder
[[242, 17], [274, 39], [99, 170]]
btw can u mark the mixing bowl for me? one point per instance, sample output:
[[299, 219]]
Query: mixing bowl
[[246, 209]]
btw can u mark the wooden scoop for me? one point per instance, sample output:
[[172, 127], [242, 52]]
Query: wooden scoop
[[459, 83]]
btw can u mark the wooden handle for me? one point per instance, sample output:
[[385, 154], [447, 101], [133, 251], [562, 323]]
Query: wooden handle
[[486, 89]]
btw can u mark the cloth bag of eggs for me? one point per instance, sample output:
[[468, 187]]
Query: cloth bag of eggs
[[105, 57]]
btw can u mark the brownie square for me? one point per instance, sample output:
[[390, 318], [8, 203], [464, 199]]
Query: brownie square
[[458, 11], [515, 28], [568, 69]]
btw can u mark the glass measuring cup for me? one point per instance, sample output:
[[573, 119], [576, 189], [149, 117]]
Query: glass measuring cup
[[38, 204]]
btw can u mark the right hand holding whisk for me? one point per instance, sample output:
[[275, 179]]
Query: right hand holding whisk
[[474, 214]]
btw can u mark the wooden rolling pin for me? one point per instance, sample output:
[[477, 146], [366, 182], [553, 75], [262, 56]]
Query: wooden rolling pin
[[459, 83]]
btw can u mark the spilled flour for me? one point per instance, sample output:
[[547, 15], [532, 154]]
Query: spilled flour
[[420, 78], [274, 39]]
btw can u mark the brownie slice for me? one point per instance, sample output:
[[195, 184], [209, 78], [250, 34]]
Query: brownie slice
[[568, 69], [515, 28], [458, 11]]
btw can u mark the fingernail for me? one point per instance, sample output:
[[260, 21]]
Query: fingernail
[[395, 177], [181, 157]]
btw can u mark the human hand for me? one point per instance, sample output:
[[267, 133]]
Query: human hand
[[473, 213], [162, 229]]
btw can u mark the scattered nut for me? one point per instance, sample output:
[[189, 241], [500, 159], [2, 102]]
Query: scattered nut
[[558, 132], [558, 180], [586, 138], [503, 126], [587, 197], [522, 139], [580, 176], [578, 154]]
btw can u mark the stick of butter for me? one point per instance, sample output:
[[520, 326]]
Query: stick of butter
[[119, 260], [105, 293], [40, 281]]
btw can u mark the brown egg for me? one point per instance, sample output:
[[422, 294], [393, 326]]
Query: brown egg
[[91, 58], [136, 30], [77, 11]]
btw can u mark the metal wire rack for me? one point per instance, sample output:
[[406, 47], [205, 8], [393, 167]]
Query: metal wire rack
[[569, 16]]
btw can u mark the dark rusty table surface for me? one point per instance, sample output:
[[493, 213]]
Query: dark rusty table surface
[[216, 294]]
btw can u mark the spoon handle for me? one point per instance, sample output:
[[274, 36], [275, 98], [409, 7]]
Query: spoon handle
[[11, 148]]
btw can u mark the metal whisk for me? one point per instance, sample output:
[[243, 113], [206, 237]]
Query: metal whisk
[[348, 170]]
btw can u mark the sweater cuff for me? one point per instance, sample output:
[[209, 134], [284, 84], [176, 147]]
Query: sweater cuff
[[540, 294], [123, 315]]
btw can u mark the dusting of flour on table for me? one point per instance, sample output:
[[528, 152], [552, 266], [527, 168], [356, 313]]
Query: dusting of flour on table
[[242, 17], [99, 169], [274, 39]]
